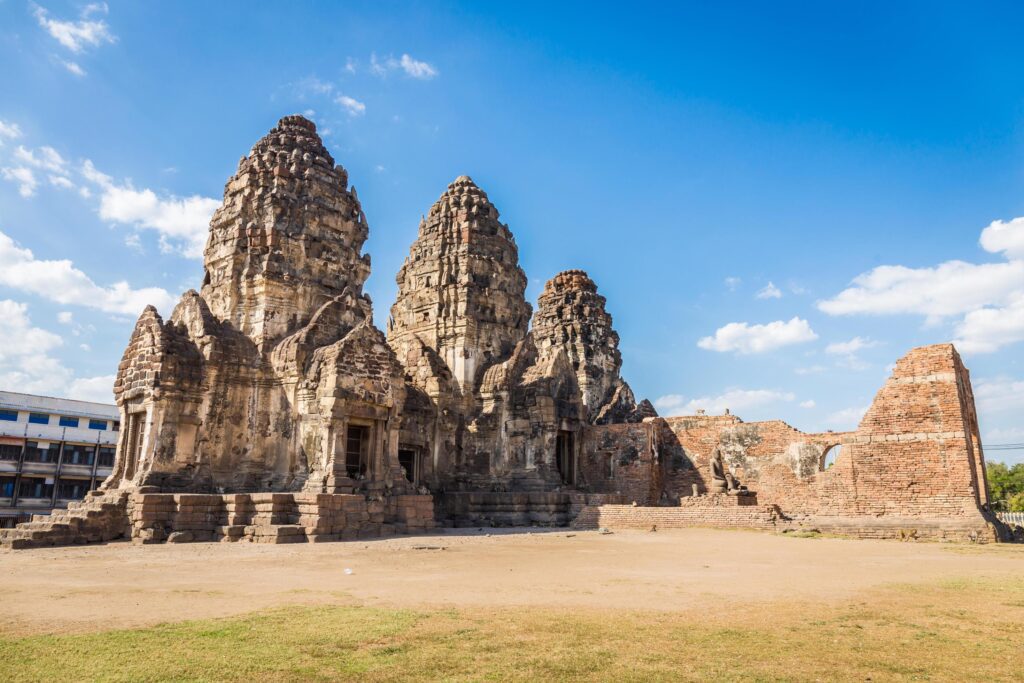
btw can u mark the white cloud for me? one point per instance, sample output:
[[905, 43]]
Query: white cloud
[[989, 296], [20, 338], [999, 395], [99, 389], [808, 403], [811, 370], [182, 222], [10, 131], [1006, 238], [846, 419], [26, 363], [350, 65], [769, 291], [45, 158], [850, 347], [951, 288], [732, 283], [413, 68], [991, 328], [61, 182], [65, 318], [417, 69], [77, 35], [733, 399], [60, 282], [74, 68], [353, 106], [746, 338], [23, 177]]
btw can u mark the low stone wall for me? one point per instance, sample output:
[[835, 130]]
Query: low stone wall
[[646, 518], [963, 530], [729, 512], [507, 509], [274, 517]]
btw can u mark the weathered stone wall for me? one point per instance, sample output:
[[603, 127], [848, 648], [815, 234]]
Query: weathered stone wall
[[914, 467], [623, 459]]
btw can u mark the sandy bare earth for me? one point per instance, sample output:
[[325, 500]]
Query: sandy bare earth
[[121, 585]]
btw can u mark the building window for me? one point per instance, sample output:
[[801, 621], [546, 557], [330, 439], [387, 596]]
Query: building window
[[75, 454], [10, 452], [6, 487], [72, 489], [9, 415], [117, 426], [35, 488], [39, 418], [68, 421], [36, 453], [98, 424], [106, 457]]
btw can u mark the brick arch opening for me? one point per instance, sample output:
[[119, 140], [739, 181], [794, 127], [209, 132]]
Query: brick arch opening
[[829, 456]]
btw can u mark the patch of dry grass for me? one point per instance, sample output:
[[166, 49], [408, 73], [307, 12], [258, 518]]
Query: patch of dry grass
[[956, 630]]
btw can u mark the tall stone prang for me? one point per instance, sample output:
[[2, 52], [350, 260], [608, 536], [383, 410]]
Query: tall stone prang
[[571, 316], [287, 238], [461, 292], [273, 377]]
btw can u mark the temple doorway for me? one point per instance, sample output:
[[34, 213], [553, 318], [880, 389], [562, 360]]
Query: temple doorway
[[357, 447], [408, 458], [565, 457]]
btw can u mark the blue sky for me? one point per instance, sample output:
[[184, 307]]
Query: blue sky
[[778, 200]]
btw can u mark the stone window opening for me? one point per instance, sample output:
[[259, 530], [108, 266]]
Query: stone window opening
[[357, 446], [565, 457], [829, 457]]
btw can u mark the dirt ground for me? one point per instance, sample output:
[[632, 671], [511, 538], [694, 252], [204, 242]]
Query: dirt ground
[[119, 585]]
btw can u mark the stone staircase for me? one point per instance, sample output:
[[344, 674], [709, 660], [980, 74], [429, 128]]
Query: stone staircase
[[101, 516]]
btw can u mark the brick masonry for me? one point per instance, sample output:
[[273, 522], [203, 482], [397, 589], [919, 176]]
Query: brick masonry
[[913, 469]]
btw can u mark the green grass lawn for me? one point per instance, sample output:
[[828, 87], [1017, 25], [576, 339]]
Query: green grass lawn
[[956, 631]]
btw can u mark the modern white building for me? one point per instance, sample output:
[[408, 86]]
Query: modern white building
[[52, 451]]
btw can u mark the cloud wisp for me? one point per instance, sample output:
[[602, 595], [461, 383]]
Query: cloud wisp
[[59, 281], [76, 36], [769, 291], [181, 222], [26, 362], [745, 338], [413, 68], [987, 297]]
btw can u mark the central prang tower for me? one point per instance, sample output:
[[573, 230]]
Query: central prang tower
[[461, 292]]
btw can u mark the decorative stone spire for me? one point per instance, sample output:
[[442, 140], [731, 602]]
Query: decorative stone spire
[[287, 238], [571, 316], [461, 290]]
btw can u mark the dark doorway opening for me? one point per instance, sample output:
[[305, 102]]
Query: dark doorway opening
[[565, 457], [356, 451], [409, 460]]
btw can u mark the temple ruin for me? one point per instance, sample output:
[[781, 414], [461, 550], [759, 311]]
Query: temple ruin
[[269, 407]]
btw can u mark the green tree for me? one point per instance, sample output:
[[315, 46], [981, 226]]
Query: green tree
[[1006, 486]]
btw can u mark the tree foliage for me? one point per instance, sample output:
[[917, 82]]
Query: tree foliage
[[1006, 486]]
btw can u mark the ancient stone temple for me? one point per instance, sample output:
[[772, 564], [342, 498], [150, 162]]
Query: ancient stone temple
[[268, 406]]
